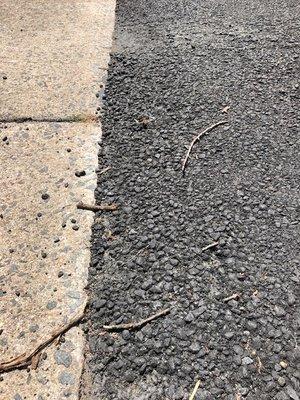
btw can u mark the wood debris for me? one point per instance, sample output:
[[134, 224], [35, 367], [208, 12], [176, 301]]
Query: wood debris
[[32, 358], [136, 325], [35, 361], [104, 170], [196, 138], [259, 365], [194, 392], [214, 244], [95, 208], [232, 297], [225, 110]]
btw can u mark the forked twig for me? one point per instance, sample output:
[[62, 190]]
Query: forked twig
[[196, 138], [136, 325], [25, 359], [95, 208]]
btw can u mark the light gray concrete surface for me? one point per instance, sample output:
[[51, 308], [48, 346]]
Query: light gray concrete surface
[[53, 57]]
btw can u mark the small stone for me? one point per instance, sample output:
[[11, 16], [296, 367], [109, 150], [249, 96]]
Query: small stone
[[60, 274], [63, 358], [51, 305], [33, 328], [252, 325], [190, 317], [292, 393], [17, 397], [45, 196], [75, 227], [126, 335], [247, 361], [65, 378], [129, 376], [281, 381], [280, 312], [281, 396], [291, 299], [283, 364], [194, 348], [244, 391]]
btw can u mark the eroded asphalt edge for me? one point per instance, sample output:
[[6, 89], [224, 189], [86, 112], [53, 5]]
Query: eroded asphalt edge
[[179, 65]]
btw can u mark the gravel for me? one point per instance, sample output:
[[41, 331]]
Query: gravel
[[175, 66]]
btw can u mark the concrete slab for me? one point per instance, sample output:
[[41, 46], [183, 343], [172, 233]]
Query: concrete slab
[[44, 239], [53, 56]]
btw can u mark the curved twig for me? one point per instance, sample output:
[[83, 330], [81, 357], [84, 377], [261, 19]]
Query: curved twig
[[196, 138]]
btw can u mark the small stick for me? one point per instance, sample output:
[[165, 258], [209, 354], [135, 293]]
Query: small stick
[[136, 325], [35, 361], [232, 297], [225, 109], [193, 394], [95, 208], [25, 359], [214, 244], [259, 365], [104, 170], [196, 138]]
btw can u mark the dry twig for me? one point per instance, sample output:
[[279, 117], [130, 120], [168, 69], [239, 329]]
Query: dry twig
[[104, 170], [193, 394], [35, 361], [136, 325], [214, 244], [225, 110], [259, 365], [95, 208], [196, 138], [25, 359], [232, 297]]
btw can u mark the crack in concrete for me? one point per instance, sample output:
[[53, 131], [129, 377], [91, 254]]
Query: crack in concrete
[[71, 119]]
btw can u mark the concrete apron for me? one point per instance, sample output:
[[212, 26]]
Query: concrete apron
[[53, 59]]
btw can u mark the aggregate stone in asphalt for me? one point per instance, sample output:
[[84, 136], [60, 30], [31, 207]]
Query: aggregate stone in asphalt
[[175, 67]]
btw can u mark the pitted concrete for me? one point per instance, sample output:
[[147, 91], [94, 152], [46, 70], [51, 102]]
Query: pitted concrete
[[53, 58]]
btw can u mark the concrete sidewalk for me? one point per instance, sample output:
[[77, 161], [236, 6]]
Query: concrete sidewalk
[[53, 60]]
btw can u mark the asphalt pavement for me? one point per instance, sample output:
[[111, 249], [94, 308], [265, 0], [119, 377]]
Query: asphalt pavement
[[176, 69]]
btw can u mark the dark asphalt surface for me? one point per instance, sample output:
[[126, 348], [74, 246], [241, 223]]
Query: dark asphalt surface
[[178, 64]]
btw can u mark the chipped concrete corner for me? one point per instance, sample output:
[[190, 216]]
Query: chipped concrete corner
[[47, 168]]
